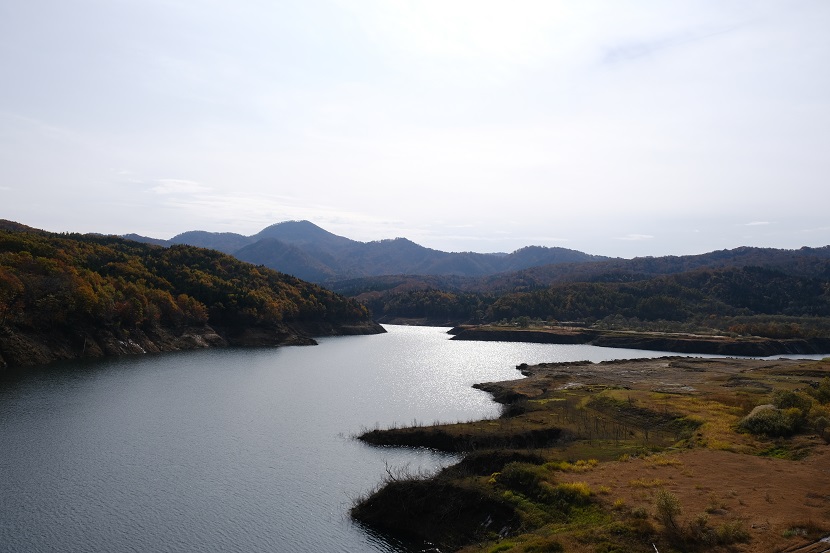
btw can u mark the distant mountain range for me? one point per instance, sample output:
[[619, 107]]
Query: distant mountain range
[[306, 251], [803, 262], [368, 269]]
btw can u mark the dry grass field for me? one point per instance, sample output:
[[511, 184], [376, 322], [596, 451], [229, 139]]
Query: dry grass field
[[671, 454]]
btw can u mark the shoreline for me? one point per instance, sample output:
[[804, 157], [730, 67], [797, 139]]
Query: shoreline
[[750, 346], [20, 349], [589, 445]]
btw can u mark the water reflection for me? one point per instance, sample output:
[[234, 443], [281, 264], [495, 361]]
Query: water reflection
[[234, 450]]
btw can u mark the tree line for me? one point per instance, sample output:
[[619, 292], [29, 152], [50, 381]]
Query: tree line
[[63, 279], [743, 300]]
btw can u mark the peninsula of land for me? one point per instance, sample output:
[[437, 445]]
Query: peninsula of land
[[751, 346], [672, 454]]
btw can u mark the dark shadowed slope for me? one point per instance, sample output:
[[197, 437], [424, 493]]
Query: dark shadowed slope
[[307, 251]]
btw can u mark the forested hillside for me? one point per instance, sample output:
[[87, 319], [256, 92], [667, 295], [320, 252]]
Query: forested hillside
[[70, 288], [803, 262], [762, 301]]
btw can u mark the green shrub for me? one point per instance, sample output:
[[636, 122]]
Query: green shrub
[[785, 399], [732, 532], [820, 423], [700, 531], [523, 478], [822, 392], [572, 493], [667, 510], [767, 420]]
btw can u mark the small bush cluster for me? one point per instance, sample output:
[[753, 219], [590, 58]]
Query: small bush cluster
[[792, 412], [821, 392], [808, 529], [537, 497], [523, 478], [768, 420], [663, 461], [645, 483], [573, 493], [533, 481], [668, 510], [578, 466], [698, 532]]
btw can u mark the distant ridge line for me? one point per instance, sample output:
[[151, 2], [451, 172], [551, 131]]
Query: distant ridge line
[[307, 251]]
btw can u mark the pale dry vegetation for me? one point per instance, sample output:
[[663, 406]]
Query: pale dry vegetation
[[651, 454]]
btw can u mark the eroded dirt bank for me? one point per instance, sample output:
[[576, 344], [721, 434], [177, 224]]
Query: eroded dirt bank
[[652, 341]]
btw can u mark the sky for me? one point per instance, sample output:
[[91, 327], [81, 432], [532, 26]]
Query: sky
[[624, 128]]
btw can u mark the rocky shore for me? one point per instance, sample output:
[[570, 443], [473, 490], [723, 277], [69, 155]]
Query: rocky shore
[[653, 341], [22, 347]]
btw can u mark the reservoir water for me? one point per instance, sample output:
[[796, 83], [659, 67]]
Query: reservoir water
[[233, 450]]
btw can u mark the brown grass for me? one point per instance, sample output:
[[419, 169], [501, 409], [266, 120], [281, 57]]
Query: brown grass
[[633, 432], [770, 496]]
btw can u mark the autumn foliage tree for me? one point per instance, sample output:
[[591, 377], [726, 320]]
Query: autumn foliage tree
[[48, 280]]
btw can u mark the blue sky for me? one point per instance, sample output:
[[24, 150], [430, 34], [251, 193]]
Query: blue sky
[[617, 128]]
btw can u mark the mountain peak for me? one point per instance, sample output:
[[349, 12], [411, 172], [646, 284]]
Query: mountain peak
[[308, 251], [298, 232]]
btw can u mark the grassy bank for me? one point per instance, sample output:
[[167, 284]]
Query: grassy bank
[[668, 453]]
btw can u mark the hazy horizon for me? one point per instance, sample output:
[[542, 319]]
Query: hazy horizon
[[397, 237], [621, 130]]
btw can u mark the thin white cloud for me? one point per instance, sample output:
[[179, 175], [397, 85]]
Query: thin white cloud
[[179, 187], [248, 214], [633, 49], [817, 229], [376, 119]]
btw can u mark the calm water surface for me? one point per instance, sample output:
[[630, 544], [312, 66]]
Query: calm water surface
[[233, 450]]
